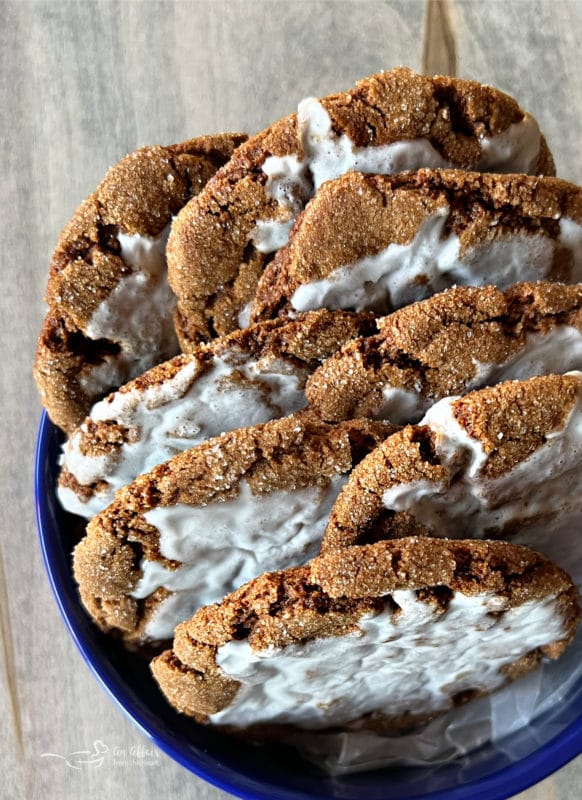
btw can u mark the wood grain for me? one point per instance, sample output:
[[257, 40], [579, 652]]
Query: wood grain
[[81, 84], [440, 48], [530, 49]]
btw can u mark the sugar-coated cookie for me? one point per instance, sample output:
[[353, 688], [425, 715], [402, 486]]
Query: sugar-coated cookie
[[498, 462], [197, 526], [397, 120], [244, 378], [383, 636], [110, 306], [382, 241], [454, 342]]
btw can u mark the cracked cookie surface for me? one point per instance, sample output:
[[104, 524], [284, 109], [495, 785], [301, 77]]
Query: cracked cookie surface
[[393, 121], [383, 637], [110, 307], [500, 462], [245, 378], [212, 517], [383, 241], [455, 342]]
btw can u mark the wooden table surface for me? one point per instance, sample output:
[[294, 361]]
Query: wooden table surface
[[81, 84]]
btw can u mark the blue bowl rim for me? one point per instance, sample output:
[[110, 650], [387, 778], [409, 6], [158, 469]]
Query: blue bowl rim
[[503, 784]]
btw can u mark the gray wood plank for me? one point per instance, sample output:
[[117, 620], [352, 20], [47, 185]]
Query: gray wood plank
[[81, 84], [531, 49], [440, 48]]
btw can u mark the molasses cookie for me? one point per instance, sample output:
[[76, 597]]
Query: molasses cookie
[[397, 120], [245, 378], [110, 306], [383, 637], [457, 341], [496, 463], [199, 525], [383, 241]]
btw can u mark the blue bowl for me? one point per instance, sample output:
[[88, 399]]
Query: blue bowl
[[275, 772]]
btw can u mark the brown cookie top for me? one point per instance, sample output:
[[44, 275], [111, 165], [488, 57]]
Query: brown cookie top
[[115, 243], [382, 241], [350, 639], [198, 525], [245, 378], [490, 464], [396, 120], [531, 328]]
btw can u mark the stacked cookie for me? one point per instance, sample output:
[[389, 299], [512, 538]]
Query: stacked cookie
[[333, 489]]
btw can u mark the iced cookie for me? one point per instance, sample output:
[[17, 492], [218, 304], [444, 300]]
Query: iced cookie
[[496, 463], [389, 122], [110, 306], [245, 378], [382, 241], [385, 636], [459, 340], [198, 526]]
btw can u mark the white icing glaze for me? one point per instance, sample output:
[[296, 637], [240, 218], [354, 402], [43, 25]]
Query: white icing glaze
[[555, 351], [167, 418], [385, 281], [291, 181], [545, 485], [452, 442], [225, 544], [137, 315], [431, 262], [413, 662], [288, 182], [75, 504]]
